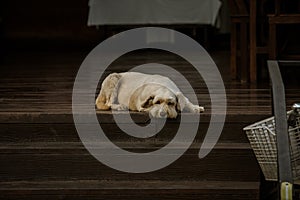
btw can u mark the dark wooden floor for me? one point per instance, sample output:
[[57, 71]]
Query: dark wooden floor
[[43, 81], [42, 157]]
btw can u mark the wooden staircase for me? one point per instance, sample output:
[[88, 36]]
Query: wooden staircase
[[42, 156], [48, 160]]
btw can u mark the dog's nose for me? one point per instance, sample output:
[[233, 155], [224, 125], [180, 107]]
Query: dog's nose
[[163, 114]]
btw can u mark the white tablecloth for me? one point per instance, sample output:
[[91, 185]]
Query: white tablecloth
[[130, 12]]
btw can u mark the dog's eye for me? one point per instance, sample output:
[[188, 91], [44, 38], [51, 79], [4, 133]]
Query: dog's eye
[[148, 103], [171, 104], [158, 102]]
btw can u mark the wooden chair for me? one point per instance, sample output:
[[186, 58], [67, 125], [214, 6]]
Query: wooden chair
[[258, 19], [239, 16], [279, 18], [246, 15]]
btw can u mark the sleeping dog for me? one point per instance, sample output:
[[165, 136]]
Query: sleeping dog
[[155, 94]]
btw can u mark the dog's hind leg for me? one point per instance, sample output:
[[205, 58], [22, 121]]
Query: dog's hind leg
[[108, 92]]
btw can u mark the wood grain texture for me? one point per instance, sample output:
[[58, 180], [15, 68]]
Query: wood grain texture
[[130, 190], [69, 162], [42, 157]]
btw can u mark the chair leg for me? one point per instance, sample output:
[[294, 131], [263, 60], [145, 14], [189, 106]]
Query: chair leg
[[244, 50], [272, 42], [233, 55], [252, 36]]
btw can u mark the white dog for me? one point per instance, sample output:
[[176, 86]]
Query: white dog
[[135, 91]]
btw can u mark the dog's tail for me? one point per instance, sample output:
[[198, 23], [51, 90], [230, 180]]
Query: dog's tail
[[107, 96]]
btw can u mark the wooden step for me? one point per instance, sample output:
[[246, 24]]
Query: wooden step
[[59, 127], [69, 161], [133, 190]]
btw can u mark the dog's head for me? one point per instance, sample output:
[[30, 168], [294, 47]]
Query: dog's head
[[156, 99]]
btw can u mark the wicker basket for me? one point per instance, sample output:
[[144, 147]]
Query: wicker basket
[[262, 139]]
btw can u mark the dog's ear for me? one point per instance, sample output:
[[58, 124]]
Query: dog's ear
[[181, 101], [148, 102]]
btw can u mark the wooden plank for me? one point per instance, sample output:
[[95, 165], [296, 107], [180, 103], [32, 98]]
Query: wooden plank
[[73, 164], [284, 19], [62, 117], [64, 132], [137, 185], [77, 147], [148, 190]]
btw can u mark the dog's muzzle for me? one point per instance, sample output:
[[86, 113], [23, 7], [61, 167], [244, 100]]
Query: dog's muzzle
[[163, 113]]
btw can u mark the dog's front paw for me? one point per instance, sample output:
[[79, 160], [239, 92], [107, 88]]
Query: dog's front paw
[[119, 107], [198, 109]]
